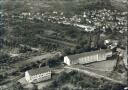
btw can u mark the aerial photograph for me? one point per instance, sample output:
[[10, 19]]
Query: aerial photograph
[[63, 45]]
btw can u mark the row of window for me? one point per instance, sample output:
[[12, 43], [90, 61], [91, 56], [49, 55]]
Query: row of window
[[41, 78], [92, 58], [88, 59], [41, 75]]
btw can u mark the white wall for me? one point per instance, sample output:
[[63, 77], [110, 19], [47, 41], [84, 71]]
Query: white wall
[[38, 77], [27, 76], [41, 77], [67, 60], [109, 54], [88, 59]]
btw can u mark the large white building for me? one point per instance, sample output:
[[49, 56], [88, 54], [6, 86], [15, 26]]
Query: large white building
[[87, 57], [38, 75]]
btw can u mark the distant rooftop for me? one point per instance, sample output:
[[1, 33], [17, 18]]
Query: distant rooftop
[[33, 72]]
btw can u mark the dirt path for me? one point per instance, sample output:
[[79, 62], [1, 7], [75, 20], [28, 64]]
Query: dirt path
[[38, 58], [57, 41], [93, 74]]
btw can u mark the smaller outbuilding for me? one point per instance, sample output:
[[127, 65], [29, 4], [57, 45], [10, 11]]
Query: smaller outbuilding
[[38, 75]]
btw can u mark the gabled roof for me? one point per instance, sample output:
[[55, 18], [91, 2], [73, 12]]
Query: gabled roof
[[33, 72], [77, 56]]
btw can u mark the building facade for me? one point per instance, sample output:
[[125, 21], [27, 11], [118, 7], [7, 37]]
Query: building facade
[[38, 75], [87, 57]]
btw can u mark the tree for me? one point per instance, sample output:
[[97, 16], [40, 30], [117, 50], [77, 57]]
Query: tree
[[16, 86], [65, 88], [4, 58], [67, 51], [35, 87]]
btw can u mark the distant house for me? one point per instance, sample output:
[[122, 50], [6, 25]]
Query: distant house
[[86, 28], [87, 57], [111, 43], [38, 75]]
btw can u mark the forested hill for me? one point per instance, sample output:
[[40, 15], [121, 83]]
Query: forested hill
[[61, 4]]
